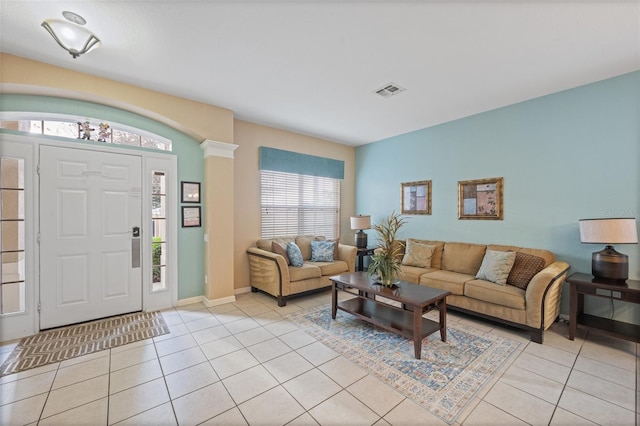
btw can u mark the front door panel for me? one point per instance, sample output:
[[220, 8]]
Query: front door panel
[[89, 203]]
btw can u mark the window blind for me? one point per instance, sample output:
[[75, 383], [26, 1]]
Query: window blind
[[297, 204]]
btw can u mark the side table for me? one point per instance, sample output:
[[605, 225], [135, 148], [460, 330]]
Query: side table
[[586, 284], [362, 252]]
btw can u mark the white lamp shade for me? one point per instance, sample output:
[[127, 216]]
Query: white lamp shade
[[360, 222], [73, 38], [609, 231]]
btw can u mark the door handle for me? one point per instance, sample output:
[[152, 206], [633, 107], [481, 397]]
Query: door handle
[[135, 247]]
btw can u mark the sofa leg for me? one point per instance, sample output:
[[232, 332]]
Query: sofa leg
[[282, 301], [253, 289], [536, 336]]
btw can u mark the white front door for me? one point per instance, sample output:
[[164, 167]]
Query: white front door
[[90, 258]]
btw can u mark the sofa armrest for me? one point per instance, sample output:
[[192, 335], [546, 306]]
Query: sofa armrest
[[543, 294], [348, 254], [268, 271]]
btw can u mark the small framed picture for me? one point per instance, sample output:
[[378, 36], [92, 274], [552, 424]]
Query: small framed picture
[[416, 197], [190, 192], [191, 216], [480, 199]]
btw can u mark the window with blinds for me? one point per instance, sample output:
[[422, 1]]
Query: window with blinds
[[296, 204]]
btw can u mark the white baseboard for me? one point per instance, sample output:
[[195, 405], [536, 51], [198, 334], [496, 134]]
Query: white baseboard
[[564, 317], [242, 290], [190, 300], [216, 302]]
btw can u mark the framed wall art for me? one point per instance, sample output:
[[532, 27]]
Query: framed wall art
[[480, 199], [190, 192], [416, 197], [191, 216]]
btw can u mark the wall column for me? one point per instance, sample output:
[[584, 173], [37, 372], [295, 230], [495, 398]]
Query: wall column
[[218, 219]]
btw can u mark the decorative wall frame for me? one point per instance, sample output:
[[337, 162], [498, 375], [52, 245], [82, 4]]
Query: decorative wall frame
[[480, 199], [191, 192], [191, 216], [416, 197]]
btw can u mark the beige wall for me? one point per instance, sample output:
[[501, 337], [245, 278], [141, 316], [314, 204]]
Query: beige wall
[[199, 120], [249, 137]]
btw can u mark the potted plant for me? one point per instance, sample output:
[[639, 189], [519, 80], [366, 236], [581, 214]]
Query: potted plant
[[386, 259]]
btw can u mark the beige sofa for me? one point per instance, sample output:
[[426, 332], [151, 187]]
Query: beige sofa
[[271, 273], [454, 266]]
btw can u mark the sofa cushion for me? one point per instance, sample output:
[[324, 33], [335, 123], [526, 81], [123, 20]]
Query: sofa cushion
[[463, 258], [322, 251], [330, 268], [508, 295], [304, 242], [305, 272], [281, 249], [525, 267], [548, 256], [412, 274], [446, 280], [295, 255], [496, 266], [266, 244], [418, 254], [436, 258]]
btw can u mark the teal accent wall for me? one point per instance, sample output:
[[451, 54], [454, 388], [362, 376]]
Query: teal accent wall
[[566, 156], [190, 168]]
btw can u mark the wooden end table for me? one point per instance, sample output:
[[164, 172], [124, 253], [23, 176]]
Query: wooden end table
[[361, 254], [587, 284], [407, 321]]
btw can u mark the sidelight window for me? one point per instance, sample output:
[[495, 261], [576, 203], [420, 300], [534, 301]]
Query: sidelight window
[[12, 236]]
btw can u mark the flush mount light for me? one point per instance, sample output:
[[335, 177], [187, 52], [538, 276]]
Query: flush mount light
[[70, 35]]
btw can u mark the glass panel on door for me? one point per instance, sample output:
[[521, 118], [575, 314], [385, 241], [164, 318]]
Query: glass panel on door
[[158, 231], [12, 236]]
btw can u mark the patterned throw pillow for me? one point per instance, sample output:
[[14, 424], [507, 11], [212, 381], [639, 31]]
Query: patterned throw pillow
[[280, 249], [295, 255], [525, 267], [496, 266], [418, 254], [322, 251]]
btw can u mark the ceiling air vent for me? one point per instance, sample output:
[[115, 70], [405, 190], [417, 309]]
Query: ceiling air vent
[[389, 90]]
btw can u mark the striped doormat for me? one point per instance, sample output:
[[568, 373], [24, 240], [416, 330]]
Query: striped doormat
[[69, 342]]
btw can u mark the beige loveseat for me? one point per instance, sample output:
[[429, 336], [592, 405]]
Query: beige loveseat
[[530, 298], [271, 272]]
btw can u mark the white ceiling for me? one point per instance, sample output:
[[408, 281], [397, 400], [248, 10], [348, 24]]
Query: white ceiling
[[313, 67]]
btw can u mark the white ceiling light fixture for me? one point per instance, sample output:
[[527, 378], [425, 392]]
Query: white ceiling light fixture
[[70, 35]]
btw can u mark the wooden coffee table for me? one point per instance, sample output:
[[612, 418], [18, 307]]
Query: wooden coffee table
[[407, 320]]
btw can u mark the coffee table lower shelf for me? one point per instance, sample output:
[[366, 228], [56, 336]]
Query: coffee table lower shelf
[[388, 317]]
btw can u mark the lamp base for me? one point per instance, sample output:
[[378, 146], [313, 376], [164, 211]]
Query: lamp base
[[608, 264], [361, 239]]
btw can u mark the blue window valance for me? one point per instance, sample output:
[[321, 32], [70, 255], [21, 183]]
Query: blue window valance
[[292, 162]]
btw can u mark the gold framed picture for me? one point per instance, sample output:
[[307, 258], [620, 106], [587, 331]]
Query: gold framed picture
[[416, 197], [480, 199]]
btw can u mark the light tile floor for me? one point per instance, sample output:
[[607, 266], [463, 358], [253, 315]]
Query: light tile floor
[[241, 363]]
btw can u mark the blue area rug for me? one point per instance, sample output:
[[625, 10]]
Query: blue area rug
[[445, 379]]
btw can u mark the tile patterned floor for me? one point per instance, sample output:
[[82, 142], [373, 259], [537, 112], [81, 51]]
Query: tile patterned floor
[[241, 363]]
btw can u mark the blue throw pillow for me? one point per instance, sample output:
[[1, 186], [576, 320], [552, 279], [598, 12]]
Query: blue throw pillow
[[322, 251], [294, 253]]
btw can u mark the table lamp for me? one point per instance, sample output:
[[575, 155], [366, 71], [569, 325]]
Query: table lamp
[[359, 223], [607, 263]]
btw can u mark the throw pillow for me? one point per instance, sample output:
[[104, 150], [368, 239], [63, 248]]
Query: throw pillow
[[295, 255], [418, 254], [496, 266], [525, 267], [280, 249], [322, 251]]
